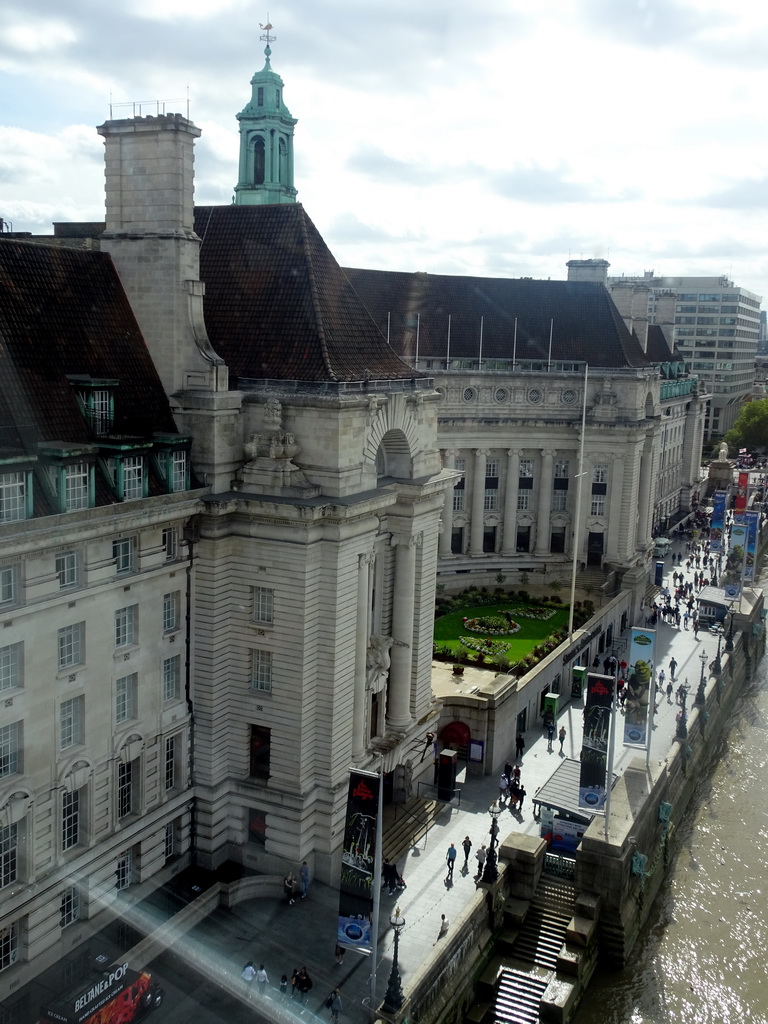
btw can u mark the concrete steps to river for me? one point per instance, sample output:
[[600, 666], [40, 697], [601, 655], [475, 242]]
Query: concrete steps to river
[[518, 997], [406, 824], [543, 932]]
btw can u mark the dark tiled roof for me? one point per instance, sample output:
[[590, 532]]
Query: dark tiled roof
[[62, 312], [277, 304], [659, 349], [587, 326]]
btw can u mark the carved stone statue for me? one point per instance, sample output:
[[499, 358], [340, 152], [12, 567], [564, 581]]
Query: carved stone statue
[[722, 454], [377, 660]]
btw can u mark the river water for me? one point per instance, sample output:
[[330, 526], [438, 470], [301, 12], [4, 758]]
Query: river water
[[703, 959]]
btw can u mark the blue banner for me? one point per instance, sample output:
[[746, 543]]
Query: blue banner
[[358, 856], [717, 523], [730, 578], [637, 703], [753, 520], [593, 772]]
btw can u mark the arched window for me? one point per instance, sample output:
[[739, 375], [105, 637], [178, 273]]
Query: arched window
[[258, 161]]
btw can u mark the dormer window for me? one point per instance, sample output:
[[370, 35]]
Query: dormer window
[[97, 402], [129, 476], [74, 481], [13, 497], [173, 460], [70, 471]]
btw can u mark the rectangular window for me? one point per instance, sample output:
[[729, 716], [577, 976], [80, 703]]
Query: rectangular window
[[125, 698], [559, 501], [460, 465], [489, 538], [526, 467], [72, 645], [125, 788], [490, 500], [524, 500], [76, 486], [562, 470], [458, 499], [597, 507], [170, 762], [10, 749], [600, 474], [170, 840], [261, 670], [10, 666], [66, 569], [523, 538], [492, 468], [9, 839], [171, 543], [71, 731], [69, 907], [123, 554], [133, 477], [9, 585], [171, 611], [9, 945], [260, 749], [171, 677], [263, 604], [101, 411], [13, 497], [124, 872], [178, 481], [557, 541], [126, 626], [70, 820]]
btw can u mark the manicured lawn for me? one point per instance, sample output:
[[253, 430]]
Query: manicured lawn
[[448, 628]]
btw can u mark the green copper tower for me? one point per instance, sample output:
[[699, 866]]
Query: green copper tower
[[266, 140]]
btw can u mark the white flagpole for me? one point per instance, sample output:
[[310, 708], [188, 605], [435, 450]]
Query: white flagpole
[[549, 357], [389, 317], [480, 358], [514, 346], [377, 889], [418, 325], [577, 517], [448, 347]]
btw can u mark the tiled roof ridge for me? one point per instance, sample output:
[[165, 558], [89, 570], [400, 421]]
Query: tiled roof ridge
[[314, 292]]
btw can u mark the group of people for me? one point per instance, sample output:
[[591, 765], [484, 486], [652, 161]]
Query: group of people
[[511, 786], [452, 854], [293, 887], [300, 984], [391, 877]]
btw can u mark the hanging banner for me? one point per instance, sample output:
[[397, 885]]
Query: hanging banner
[[593, 773], [717, 524], [740, 504], [357, 862], [752, 520], [637, 703], [730, 578]]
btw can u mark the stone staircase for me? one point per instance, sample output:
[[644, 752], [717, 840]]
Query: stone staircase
[[543, 932], [518, 997], [406, 824]]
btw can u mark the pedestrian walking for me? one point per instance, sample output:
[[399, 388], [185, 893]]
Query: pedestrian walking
[[450, 859], [672, 669], [334, 1005], [443, 929], [519, 747], [288, 887], [339, 953], [561, 736], [467, 844], [480, 858], [503, 787], [248, 973], [304, 879], [508, 769], [295, 983], [550, 736], [669, 692], [520, 798], [284, 986], [262, 979], [304, 985]]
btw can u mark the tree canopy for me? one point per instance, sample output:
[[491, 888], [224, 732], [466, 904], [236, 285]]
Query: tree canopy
[[750, 429]]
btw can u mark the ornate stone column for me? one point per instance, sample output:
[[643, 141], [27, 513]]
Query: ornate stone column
[[478, 501], [362, 630], [509, 534], [580, 543], [444, 543], [545, 502], [399, 696], [615, 509]]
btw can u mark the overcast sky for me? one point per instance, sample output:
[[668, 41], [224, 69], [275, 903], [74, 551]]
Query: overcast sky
[[498, 137]]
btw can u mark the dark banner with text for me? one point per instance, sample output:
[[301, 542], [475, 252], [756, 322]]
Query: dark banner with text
[[358, 857], [593, 774]]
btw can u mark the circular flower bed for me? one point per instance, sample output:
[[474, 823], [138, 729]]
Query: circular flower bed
[[492, 625]]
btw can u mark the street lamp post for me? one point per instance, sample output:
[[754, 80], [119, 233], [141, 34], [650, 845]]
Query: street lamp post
[[682, 719], [729, 638], [717, 667], [701, 696], [491, 871], [394, 998]]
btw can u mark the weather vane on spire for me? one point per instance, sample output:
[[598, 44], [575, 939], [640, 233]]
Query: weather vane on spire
[[266, 29]]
